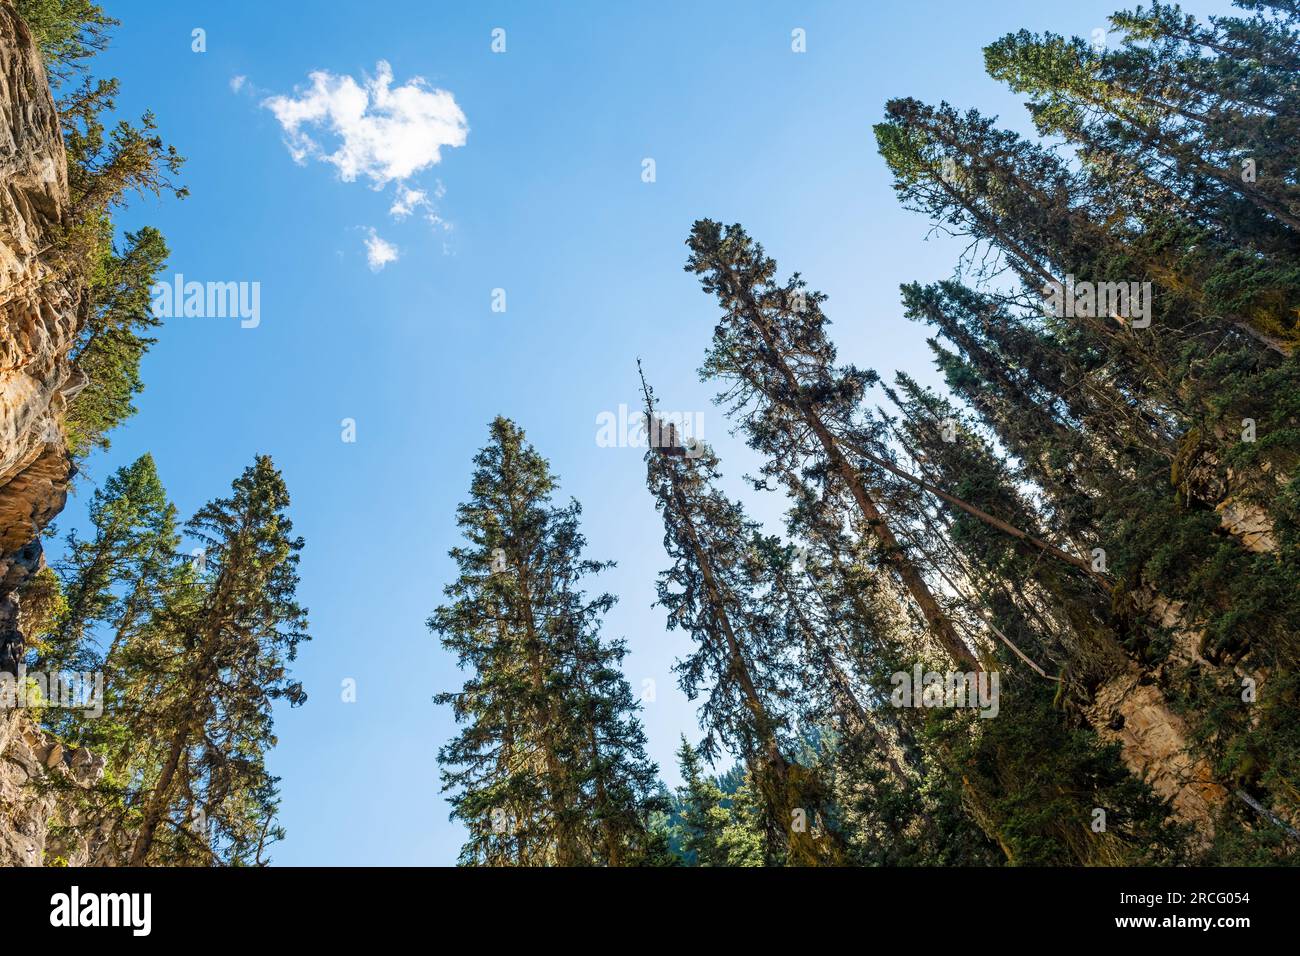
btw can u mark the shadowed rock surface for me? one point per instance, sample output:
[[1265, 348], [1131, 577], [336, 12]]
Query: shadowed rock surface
[[39, 310], [39, 314]]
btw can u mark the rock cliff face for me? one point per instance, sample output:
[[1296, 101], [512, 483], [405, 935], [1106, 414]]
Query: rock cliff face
[[37, 774], [39, 313], [1155, 746], [38, 318]]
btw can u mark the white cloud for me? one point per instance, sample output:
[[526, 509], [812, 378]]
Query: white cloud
[[379, 252], [237, 82], [407, 201], [384, 133]]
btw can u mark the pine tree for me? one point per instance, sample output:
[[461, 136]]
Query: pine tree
[[68, 31], [110, 345], [105, 166], [550, 768], [741, 841], [702, 817], [1124, 439], [105, 579], [1215, 102], [218, 660], [715, 590], [800, 409]]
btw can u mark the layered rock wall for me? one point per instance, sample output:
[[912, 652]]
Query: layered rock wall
[[39, 314], [39, 310]]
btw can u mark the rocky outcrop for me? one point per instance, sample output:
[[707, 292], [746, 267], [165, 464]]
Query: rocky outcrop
[[1131, 709], [1198, 472], [39, 312], [40, 779], [39, 316], [1156, 747], [1249, 524]]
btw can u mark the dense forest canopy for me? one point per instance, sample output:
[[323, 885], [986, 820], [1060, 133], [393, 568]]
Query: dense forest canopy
[[1096, 523]]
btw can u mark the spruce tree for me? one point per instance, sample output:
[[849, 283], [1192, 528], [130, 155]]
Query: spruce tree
[[218, 659], [68, 31], [1129, 440], [106, 578], [716, 591], [111, 344], [701, 815], [550, 768], [799, 409]]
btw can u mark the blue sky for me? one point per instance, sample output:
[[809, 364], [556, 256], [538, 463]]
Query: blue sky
[[545, 200]]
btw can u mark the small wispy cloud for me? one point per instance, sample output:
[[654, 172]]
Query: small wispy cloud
[[407, 201], [382, 132], [237, 82], [379, 252]]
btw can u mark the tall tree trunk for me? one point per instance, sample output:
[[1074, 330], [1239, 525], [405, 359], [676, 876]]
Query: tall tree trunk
[[156, 805], [912, 579]]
